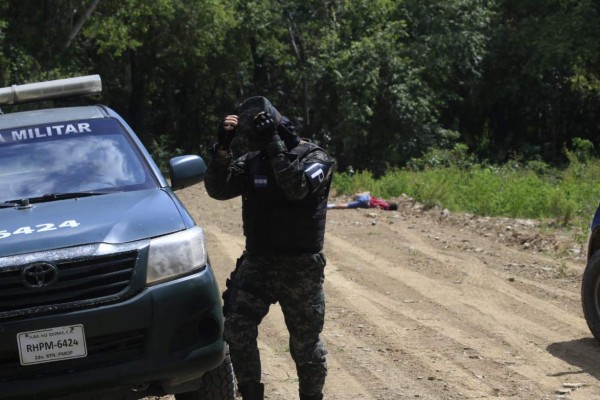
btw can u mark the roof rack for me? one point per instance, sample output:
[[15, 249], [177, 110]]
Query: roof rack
[[17, 94]]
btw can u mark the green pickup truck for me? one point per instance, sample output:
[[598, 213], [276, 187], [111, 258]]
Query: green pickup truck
[[106, 290]]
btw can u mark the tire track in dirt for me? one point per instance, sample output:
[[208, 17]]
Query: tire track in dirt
[[491, 288], [411, 314], [408, 327], [524, 324]]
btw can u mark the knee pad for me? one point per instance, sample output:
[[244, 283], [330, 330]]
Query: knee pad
[[309, 354]]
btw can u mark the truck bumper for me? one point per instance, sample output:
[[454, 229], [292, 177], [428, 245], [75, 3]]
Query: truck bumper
[[163, 337]]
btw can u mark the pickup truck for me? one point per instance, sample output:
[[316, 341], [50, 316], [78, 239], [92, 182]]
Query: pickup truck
[[106, 289]]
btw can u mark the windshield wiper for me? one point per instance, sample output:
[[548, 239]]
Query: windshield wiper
[[18, 203], [52, 197]]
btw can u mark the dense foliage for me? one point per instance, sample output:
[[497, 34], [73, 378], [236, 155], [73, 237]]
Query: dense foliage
[[378, 82]]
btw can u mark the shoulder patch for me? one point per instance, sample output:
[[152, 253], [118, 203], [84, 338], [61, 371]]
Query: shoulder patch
[[317, 172]]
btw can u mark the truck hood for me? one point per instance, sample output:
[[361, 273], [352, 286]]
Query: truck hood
[[109, 218]]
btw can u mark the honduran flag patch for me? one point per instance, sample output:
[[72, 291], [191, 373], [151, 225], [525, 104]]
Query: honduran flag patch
[[260, 181]]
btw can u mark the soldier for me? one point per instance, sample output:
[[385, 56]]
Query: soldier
[[284, 183]]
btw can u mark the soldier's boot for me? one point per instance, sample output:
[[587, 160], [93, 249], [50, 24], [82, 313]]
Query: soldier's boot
[[311, 397], [252, 391]]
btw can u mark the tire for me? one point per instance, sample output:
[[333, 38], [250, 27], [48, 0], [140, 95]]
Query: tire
[[590, 294], [217, 384]]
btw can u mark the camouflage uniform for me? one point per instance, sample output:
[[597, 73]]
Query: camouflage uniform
[[269, 271], [297, 283]]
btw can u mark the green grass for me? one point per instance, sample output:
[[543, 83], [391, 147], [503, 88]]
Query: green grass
[[567, 197]]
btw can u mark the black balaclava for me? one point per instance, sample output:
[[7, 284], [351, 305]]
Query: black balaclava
[[246, 112]]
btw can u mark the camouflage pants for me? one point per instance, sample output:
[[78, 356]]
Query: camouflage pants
[[296, 282]]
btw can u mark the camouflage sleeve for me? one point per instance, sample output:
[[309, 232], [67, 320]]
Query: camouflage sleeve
[[301, 177], [225, 178]]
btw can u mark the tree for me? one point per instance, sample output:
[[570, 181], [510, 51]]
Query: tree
[[528, 101], [377, 82], [162, 63]]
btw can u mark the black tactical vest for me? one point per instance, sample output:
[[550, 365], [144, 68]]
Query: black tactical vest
[[272, 223]]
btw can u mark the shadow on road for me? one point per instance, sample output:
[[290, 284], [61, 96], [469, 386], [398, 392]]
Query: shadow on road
[[583, 353]]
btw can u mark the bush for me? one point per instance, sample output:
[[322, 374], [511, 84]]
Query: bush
[[582, 151]]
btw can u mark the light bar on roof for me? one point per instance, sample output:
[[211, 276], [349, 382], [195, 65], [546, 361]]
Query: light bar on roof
[[81, 85]]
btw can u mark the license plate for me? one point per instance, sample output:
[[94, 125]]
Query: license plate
[[52, 344]]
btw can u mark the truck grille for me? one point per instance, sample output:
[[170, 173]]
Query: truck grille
[[94, 278]]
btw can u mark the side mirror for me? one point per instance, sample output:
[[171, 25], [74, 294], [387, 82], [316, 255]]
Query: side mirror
[[186, 171]]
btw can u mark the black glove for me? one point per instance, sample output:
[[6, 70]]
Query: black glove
[[224, 137], [265, 128]]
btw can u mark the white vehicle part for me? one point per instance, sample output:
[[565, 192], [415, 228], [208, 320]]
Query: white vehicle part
[[81, 85]]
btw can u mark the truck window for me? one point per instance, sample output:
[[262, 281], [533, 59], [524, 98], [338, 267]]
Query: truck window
[[75, 156]]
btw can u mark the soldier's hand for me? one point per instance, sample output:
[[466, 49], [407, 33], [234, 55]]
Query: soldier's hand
[[265, 127], [226, 131]]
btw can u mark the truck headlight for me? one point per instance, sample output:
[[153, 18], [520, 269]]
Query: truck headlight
[[175, 255]]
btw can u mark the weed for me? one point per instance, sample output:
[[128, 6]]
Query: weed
[[563, 270]]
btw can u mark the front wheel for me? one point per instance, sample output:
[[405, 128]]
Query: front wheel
[[217, 384], [590, 294]]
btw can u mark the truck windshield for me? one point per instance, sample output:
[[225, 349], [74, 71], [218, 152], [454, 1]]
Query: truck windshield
[[72, 157]]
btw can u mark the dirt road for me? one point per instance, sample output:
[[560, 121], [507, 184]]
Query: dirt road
[[432, 305]]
